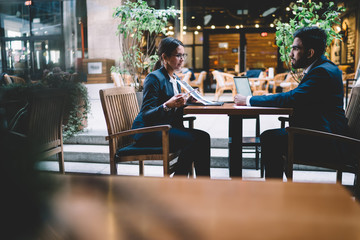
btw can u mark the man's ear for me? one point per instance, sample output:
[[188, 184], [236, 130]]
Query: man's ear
[[310, 53]]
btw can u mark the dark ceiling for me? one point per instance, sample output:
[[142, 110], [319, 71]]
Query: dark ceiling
[[236, 12]]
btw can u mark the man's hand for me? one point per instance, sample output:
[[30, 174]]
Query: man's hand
[[240, 100]]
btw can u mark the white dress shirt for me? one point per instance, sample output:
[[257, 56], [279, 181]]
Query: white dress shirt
[[174, 83]]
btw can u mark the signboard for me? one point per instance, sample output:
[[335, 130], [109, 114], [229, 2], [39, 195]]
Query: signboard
[[94, 67]]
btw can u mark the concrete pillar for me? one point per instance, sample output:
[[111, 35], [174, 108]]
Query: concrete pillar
[[102, 40]]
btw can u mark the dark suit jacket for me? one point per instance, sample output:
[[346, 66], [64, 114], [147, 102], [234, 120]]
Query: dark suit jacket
[[157, 90], [317, 101]]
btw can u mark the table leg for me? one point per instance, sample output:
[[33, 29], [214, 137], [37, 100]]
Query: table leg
[[235, 145]]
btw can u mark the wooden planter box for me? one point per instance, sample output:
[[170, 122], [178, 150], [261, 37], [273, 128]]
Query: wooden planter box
[[98, 70]]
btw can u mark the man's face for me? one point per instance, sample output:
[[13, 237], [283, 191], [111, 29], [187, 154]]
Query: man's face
[[297, 55]]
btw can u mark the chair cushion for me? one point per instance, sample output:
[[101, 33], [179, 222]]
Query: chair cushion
[[135, 150]]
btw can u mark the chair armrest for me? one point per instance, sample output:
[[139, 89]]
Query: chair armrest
[[316, 133], [190, 120], [283, 120], [139, 130]]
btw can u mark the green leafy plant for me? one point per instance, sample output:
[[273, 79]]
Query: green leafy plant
[[77, 104], [139, 27], [307, 14]]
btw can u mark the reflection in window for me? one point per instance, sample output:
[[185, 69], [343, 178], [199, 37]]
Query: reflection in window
[[14, 18], [46, 18]]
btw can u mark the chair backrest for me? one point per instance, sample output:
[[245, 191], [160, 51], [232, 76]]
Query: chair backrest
[[201, 77], [219, 78], [45, 115], [117, 80], [186, 77], [280, 77], [120, 108], [353, 112]]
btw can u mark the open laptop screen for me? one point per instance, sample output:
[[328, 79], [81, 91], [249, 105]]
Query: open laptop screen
[[243, 86]]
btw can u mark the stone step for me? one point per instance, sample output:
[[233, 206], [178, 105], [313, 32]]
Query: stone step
[[219, 157]]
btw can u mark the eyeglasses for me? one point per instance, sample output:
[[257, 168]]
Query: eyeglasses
[[179, 56]]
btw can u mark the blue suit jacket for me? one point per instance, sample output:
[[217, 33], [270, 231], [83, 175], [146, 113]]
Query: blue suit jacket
[[317, 101], [157, 90]]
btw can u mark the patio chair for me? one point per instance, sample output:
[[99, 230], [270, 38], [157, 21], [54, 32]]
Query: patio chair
[[120, 109], [199, 82], [224, 81], [353, 115], [40, 122], [275, 82]]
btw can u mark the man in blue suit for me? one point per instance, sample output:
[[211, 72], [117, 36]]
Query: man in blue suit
[[317, 104]]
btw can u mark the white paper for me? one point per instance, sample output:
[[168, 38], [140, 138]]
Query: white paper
[[194, 94]]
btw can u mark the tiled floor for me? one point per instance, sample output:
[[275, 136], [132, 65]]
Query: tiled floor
[[216, 173]]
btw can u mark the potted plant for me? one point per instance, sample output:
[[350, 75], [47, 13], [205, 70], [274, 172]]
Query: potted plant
[[77, 104], [138, 30], [307, 14]]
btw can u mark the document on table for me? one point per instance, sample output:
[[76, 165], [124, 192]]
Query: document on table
[[195, 94]]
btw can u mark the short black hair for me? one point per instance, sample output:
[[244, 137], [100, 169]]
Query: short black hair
[[312, 37]]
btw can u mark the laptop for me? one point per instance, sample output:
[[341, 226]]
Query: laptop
[[242, 85]]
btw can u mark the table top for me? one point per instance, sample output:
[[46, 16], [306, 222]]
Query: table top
[[232, 109], [103, 207]]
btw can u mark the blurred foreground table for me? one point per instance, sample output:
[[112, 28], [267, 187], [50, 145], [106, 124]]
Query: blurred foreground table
[[103, 207]]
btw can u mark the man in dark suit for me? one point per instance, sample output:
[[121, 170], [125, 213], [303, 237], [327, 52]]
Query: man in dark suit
[[317, 104]]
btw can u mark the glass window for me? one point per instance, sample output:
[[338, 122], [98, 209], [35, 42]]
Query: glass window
[[199, 38], [46, 18], [14, 18], [188, 61], [18, 57], [199, 57], [188, 38]]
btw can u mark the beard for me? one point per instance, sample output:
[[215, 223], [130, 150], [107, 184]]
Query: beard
[[300, 63]]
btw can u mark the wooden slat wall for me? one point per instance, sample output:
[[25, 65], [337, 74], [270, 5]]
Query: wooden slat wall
[[221, 58], [261, 52]]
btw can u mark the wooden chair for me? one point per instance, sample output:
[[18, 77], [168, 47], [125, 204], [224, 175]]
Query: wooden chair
[[353, 116], [275, 82], [224, 81], [289, 83], [199, 82], [259, 86], [42, 121], [120, 109]]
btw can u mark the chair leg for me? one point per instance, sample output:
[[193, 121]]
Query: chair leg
[[141, 168], [61, 163], [339, 176]]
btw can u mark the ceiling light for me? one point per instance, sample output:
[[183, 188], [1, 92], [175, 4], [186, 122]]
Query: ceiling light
[[184, 27], [198, 27], [192, 17], [196, 32], [227, 26], [287, 9], [269, 11], [241, 26], [237, 26], [171, 27], [272, 25], [212, 26], [184, 33], [257, 25]]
